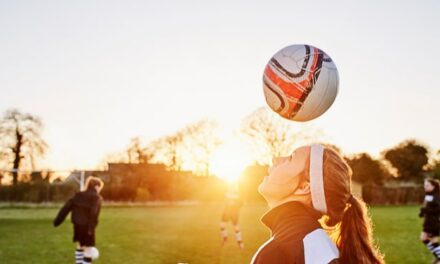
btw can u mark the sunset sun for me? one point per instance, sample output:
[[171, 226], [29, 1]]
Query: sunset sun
[[230, 160]]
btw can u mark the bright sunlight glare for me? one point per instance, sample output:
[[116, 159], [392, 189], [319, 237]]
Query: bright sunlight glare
[[230, 159]]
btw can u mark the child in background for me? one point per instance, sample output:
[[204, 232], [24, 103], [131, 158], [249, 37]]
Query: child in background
[[231, 214], [85, 207], [430, 211]]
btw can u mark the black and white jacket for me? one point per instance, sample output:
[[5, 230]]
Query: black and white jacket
[[297, 237], [430, 211]]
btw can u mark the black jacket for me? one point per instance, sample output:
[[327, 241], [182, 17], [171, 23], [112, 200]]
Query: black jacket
[[85, 207], [297, 237], [431, 211]]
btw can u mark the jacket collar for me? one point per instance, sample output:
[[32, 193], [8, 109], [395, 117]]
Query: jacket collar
[[291, 219]]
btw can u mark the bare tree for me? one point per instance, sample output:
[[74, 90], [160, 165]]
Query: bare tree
[[20, 135], [270, 135], [202, 139], [136, 153], [169, 150], [193, 144], [3, 157]]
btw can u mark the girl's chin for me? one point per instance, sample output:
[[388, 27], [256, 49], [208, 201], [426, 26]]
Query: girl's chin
[[261, 186]]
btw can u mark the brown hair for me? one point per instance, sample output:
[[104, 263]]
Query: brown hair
[[434, 184], [347, 214], [92, 181]]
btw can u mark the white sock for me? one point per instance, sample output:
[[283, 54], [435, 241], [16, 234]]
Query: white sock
[[223, 231], [435, 249], [238, 238], [79, 256]]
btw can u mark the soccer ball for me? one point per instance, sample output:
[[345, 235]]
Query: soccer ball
[[300, 82], [91, 252]]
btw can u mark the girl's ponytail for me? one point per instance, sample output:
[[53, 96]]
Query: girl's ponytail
[[355, 240], [347, 213]]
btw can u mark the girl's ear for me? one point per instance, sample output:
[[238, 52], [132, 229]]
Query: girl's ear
[[303, 189]]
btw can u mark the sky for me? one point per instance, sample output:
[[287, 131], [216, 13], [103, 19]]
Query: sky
[[101, 72]]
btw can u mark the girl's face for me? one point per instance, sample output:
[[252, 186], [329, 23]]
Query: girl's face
[[284, 175], [428, 186], [98, 188]]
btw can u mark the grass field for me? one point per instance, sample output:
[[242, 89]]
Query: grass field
[[173, 234]]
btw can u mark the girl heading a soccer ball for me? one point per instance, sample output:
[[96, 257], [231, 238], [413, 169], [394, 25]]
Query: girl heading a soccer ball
[[314, 183]]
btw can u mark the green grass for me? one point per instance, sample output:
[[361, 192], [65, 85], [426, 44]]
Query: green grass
[[173, 234], [397, 231]]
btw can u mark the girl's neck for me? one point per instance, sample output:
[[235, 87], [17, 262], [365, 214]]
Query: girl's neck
[[302, 199]]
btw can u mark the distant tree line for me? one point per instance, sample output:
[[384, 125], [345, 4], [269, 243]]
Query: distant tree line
[[191, 149], [193, 145], [409, 161]]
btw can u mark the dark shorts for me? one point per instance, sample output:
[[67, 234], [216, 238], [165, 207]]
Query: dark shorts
[[431, 226], [431, 232], [81, 235], [230, 216]]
